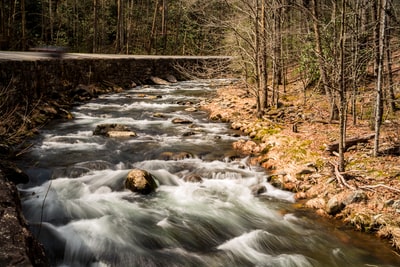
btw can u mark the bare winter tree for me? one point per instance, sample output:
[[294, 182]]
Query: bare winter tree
[[379, 84]]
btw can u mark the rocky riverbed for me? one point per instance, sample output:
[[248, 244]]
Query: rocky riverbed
[[291, 142], [294, 143], [18, 246]]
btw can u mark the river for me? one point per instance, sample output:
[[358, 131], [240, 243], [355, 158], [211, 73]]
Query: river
[[76, 203]]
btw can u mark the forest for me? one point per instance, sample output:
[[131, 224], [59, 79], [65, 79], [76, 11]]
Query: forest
[[334, 47]]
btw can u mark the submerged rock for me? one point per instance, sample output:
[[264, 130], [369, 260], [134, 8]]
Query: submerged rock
[[258, 189], [140, 181], [175, 155], [158, 115]]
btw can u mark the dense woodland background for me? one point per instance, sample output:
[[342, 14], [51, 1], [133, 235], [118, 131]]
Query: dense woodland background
[[335, 46]]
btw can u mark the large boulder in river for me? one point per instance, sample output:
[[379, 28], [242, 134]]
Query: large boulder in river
[[114, 130], [140, 181]]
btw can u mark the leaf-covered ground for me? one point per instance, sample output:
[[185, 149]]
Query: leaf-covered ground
[[291, 142]]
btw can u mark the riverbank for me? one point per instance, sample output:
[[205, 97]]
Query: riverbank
[[293, 143]]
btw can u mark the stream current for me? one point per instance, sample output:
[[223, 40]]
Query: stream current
[[76, 203]]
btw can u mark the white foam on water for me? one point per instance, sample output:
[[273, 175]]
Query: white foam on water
[[247, 246], [148, 105], [75, 146], [278, 193]]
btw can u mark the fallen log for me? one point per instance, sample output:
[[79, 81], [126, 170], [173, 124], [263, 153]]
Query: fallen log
[[334, 147]]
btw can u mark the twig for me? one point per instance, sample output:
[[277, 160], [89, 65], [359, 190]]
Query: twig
[[342, 182], [42, 209], [380, 185]]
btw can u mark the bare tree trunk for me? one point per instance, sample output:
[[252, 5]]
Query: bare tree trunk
[[321, 55], [342, 92], [153, 35], [3, 21], [261, 45], [379, 85], [129, 23], [258, 60], [391, 95], [23, 26], [376, 16], [51, 19], [119, 42], [95, 28], [277, 67], [164, 23]]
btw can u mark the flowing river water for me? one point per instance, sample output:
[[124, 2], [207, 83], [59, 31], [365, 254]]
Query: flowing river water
[[77, 205]]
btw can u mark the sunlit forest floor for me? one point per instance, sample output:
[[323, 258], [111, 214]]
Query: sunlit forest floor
[[291, 143]]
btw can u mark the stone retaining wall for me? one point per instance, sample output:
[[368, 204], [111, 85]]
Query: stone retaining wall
[[35, 78]]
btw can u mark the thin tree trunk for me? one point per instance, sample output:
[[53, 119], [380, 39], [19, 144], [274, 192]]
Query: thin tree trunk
[[164, 24], [376, 16], [120, 26], [129, 22], [342, 92], [320, 54], [153, 29], [51, 20], [95, 28], [258, 60], [391, 95], [379, 85], [264, 58], [277, 73], [23, 25], [261, 57]]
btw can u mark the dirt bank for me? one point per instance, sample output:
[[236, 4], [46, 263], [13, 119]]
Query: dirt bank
[[292, 142]]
